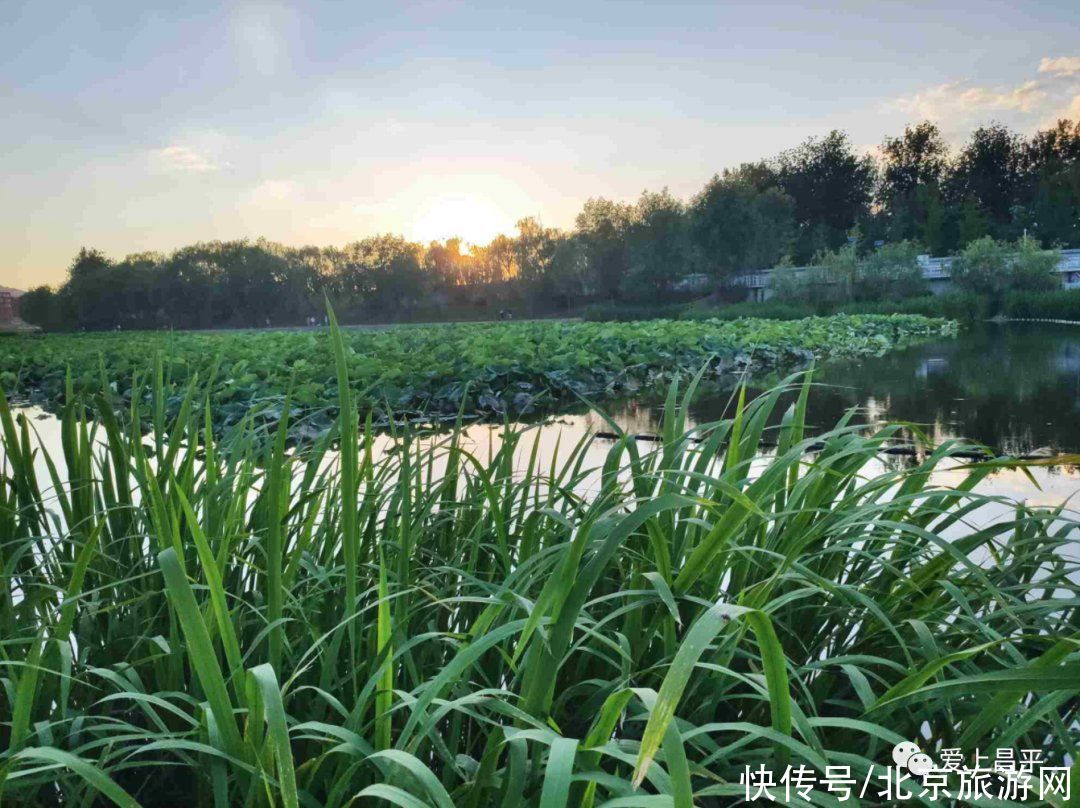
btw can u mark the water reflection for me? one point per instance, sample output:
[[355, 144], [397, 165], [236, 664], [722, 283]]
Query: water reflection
[[1015, 388]]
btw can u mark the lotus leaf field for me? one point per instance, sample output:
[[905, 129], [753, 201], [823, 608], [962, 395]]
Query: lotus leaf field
[[228, 623], [477, 369]]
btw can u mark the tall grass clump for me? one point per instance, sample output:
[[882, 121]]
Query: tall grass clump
[[188, 620], [1063, 304]]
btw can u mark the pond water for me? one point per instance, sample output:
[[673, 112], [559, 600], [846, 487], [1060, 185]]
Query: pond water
[[1012, 387]]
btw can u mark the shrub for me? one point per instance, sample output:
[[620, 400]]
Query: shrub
[[1063, 304], [1033, 269], [982, 268], [992, 268], [768, 310], [962, 306], [813, 284], [891, 272], [834, 273], [954, 306], [623, 312]]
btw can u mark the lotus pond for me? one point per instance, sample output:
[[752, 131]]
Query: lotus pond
[[478, 370], [226, 622], [188, 620]]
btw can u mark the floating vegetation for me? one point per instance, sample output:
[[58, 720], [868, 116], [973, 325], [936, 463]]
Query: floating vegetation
[[490, 369]]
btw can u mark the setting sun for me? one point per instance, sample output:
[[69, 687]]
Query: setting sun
[[388, 389], [472, 218]]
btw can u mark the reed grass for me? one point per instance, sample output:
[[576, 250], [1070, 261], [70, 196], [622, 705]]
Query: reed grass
[[188, 620]]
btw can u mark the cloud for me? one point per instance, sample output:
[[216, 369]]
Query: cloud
[[259, 35], [1060, 65], [1035, 103], [273, 191], [965, 99], [1070, 111], [184, 159]]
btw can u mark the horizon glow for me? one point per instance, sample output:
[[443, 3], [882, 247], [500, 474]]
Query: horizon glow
[[132, 128]]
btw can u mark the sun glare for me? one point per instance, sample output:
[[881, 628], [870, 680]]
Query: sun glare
[[472, 218]]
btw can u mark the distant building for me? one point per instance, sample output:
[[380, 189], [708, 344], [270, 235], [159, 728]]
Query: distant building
[[9, 304], [695, 282]]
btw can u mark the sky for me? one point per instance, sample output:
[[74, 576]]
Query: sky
[[143, 126]]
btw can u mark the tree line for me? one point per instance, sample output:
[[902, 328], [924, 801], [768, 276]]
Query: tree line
[[804, 204], [986, 268]]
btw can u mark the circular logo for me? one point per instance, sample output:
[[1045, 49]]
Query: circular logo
[[903, 752], [920, 764]]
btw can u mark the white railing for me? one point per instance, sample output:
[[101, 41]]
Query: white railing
[[1070, 261], [933, 269]]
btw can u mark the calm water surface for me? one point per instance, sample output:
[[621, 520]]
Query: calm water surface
[[1013, 387]]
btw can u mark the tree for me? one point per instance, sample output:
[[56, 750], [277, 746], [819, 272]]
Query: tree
[[87, 263], [602, 227], [913, 166], [1050, 185], [831, 188], [446, 265], [971, 223], [533, 249], [564, 280], [497, 262], [388, 273], [933, 230], [551, 265], [991, 268], [986, 174], [42, 307], [810, 284], [89, 290], [736, 225], [799, 206], [254, 283], [832, 276], [917, 157], [658, 247], [134, 279], [184, 294]]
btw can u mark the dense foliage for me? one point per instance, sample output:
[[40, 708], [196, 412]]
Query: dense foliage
[[227, 625], [954, 306], [891, 272], [985, 267], [801, 204], [485, 369], [992, 268], [1060, 304]]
